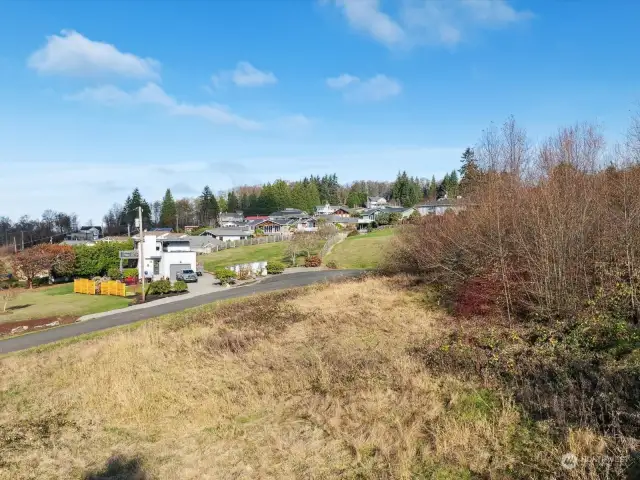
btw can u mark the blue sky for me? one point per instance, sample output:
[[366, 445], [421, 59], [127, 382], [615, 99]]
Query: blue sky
[[99, 97]]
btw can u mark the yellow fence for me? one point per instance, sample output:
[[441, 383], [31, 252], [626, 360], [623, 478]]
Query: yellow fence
[[88, 287], [112, 287], [82, 285]]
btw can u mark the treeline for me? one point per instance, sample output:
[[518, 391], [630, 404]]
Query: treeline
[[52, 226], [305, 195]]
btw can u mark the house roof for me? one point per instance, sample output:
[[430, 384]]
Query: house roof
[[394, 209], [256, 217], [338, 219], [257, 223], [200, 241], [445, 202], [89, 227], [289, 212], [162, 229], [222, 231], [376, 199]]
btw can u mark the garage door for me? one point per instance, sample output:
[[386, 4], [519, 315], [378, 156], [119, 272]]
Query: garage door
[[175, 268]]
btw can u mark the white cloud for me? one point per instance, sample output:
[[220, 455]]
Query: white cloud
[[366, 16], [341, 81], [436, 22], [71, 53], [152, 94], [373, 89], [244, 75]]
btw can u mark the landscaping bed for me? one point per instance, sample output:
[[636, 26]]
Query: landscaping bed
[[17, 327]]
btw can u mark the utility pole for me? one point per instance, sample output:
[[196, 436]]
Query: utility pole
[[15, 247], [22, 236], [141, 262]]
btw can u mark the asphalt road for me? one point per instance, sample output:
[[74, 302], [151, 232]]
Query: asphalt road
[[279, 282]]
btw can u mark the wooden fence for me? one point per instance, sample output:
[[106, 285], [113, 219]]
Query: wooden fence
[[89, 287], [82, 285], [113, 287]]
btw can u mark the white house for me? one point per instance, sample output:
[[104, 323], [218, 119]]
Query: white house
[[326, 209], [163, 257], [225, 234], [375, 202]]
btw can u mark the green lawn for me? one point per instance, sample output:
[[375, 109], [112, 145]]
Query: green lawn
[[251, 253], [57, 301], [362, 251]]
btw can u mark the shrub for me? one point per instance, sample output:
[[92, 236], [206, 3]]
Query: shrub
[[332, 265], [313, 261], [273, 268], [160, 287], [225, 275], [259, 232], [130, 272], [97, 259], [114, 273], [180, 286], [353, 233]]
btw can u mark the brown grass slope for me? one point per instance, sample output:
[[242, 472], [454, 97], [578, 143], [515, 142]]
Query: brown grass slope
[[319, 382]]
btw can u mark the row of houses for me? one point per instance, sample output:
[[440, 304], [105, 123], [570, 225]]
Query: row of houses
[[235, 226]]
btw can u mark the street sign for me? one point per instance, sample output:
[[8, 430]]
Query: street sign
[[137, 223], [128, 254]]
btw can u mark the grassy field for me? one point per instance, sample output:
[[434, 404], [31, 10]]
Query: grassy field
[[362, 251], [322, 382], [58, 301], [251, 253]]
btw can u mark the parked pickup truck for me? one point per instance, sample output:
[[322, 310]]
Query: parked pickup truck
[[187, 276]]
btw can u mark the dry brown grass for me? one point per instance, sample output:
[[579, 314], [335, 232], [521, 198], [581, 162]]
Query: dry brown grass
[[317, 383]]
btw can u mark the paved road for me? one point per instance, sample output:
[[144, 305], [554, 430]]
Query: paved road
[[270, 284]]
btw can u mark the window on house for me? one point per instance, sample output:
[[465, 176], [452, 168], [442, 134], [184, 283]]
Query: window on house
[[157, 248], [156, 267]]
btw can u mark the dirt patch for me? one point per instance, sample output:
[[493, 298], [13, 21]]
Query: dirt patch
[[14, 328]]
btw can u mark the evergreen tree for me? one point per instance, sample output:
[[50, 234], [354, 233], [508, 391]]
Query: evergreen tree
[[168, 210], [433, 189], [209, 210], [298, 196], [233, 204], [312, 197], [130, 209], [453, 184], [469, 172], [281, 194], [244, 202], [406, 191]]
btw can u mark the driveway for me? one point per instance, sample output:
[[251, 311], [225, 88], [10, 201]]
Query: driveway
[[278, 282], [203, 285]]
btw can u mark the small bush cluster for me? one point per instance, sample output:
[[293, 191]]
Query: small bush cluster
[[353, 233], [114, 273], [180, 286], [159, 287], [312, 261], [225, 275], [274, 268], [130, 273], [332, 264]]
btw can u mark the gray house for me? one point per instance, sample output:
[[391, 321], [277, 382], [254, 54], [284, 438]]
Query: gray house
[[440, 207]]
